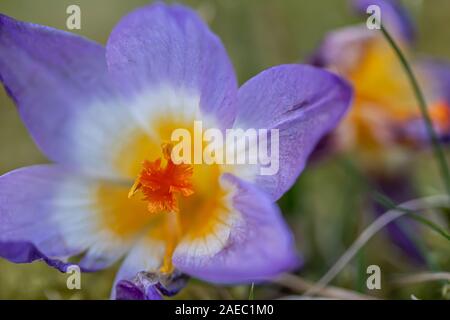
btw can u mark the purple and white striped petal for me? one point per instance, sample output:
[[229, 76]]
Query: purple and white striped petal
[[50, 211], [303, 103], [260, 245], [159, 52], [59, 82]]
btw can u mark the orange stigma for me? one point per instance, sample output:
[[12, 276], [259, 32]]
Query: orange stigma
[[161, 184]]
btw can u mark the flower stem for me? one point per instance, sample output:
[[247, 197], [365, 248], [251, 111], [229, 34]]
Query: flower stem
[[251, 294], [438, 229], [385, 202], [437, 148], [415, 205]]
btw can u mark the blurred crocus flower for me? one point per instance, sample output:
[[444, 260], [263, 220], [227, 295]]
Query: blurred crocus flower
[[104, 116], [384, 122], [384, 125]]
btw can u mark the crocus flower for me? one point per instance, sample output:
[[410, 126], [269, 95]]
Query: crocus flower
[[103, 116], [384, 123], [384, 126]]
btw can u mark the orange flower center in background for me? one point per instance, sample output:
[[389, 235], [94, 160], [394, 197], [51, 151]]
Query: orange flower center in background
[[161, 184], [440, 115]]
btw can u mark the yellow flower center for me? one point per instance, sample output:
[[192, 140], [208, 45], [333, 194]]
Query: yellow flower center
[[172, 204]]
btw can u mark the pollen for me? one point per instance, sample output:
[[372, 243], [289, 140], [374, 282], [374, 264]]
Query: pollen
[[161, 182]]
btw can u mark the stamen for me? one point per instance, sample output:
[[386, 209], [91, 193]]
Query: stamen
[[167, 150], [134, 188]]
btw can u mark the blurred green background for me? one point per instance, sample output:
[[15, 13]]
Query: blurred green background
[[324, 207]]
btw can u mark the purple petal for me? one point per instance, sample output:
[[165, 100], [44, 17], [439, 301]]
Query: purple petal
[[150, 286], [146, 255], [141, 288], [344, 48], [127, 290], [161, 45], [170, 285], [139, 274], [259, 247], [303, 103], [50, 211], [25, 252], [401, 231], [59, 83], [434, 78], [26, 211], [437, 74], [393, 16]]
